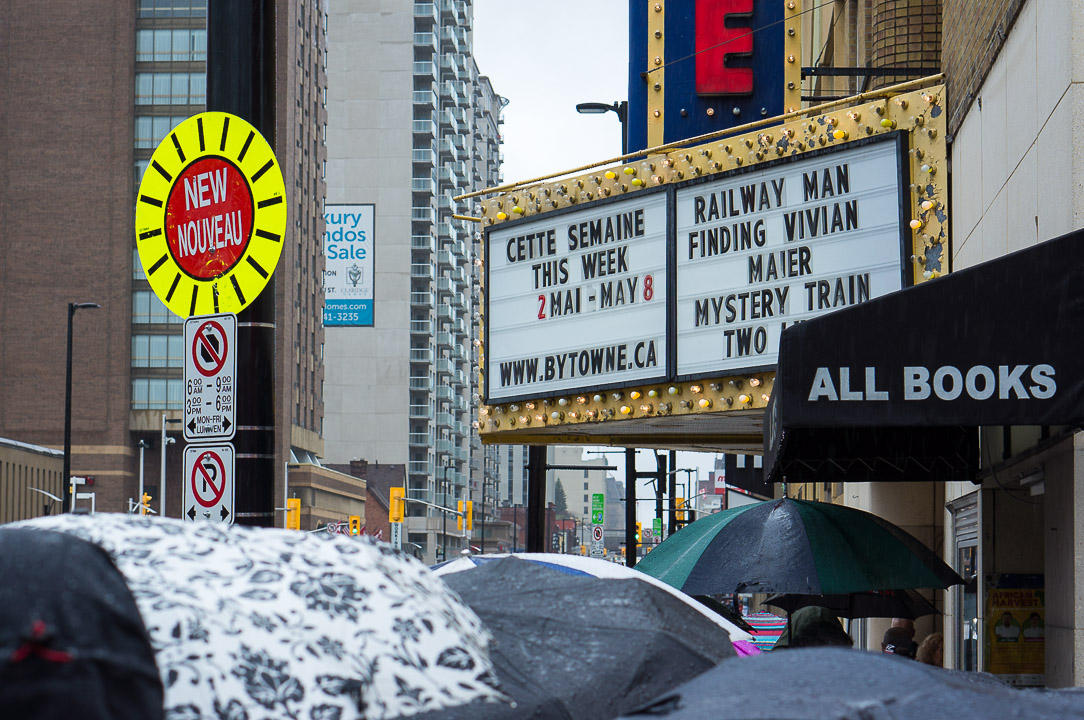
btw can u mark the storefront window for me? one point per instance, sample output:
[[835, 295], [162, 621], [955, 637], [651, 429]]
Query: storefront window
[[967, 599], [965, 523]]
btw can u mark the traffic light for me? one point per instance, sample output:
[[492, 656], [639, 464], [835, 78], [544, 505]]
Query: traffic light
[[355, 525], [639, 530], [680, 514], [144, 504], [470, 515], [293, 513], [395, 504]]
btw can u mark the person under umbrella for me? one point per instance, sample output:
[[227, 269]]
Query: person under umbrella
[[257, 623], [813, 626], [829, 683], [897, 641], [580, 647], [72, 642]]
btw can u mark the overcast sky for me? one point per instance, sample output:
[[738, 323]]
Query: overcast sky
[[545, 63], [545, 58]]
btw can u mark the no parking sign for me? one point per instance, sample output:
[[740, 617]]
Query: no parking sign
[[209, 483]]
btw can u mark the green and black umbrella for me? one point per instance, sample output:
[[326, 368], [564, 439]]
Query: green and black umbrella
[[795, 546]]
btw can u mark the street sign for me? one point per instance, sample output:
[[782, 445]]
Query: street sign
[[656, 527], [209, 483], [210, 374], [397, 535], [598, 505], [598, 547], [210, 215]]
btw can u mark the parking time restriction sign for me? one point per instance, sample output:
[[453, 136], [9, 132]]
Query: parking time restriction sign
[[210, 377]]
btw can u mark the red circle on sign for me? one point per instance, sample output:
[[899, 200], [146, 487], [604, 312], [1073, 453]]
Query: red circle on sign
[[208, 218], [202, 478], [207, 358], [596, 533]]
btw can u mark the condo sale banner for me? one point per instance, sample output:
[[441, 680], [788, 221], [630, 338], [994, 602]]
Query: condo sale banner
[[348, 265]]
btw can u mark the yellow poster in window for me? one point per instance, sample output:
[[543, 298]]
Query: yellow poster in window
[[1016, 635]]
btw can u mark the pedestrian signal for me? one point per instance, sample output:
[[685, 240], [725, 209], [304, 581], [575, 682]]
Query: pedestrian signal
[[293, 513], [355, 525], [395, 504]]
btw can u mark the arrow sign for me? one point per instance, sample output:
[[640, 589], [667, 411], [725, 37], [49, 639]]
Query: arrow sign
[[209, 482]]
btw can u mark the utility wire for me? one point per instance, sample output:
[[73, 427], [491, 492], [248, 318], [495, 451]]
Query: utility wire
[[738, 37]]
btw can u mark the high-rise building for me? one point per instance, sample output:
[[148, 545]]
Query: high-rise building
[[89, 89], [411, 124]]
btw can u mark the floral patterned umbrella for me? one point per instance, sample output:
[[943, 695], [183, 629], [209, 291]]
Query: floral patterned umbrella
[[254, 623]]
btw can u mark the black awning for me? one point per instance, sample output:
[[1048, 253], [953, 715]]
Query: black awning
[[895, 388]]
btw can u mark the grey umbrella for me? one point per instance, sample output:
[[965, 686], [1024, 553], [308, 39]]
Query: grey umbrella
[[573, 646], [841, 684]]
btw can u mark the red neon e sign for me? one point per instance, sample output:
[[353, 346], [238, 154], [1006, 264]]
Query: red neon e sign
[[714, 41]]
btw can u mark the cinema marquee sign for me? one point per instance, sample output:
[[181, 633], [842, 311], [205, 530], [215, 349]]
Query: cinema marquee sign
[[692, 280]]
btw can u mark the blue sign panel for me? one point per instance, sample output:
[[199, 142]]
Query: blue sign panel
[[348, 265], [723, 66]]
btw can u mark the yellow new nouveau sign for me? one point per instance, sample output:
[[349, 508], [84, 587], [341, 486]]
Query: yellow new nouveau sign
[[210, 216]]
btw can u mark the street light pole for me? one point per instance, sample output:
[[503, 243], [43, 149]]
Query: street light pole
[[162, 477], [142, 446], [620, 107], [482, 536], [72, 307], [444, 518]]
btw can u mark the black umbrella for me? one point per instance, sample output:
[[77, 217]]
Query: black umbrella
[[573, 646], [838, 684], [875, 603], [72, 642]]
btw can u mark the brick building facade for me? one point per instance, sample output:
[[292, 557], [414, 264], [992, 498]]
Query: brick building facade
[[89, 87]]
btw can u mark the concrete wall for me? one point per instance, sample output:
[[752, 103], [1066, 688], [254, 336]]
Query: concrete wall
[[1018, 179], [370, 56], [916, 508], [1064, 575], [22, 467]]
